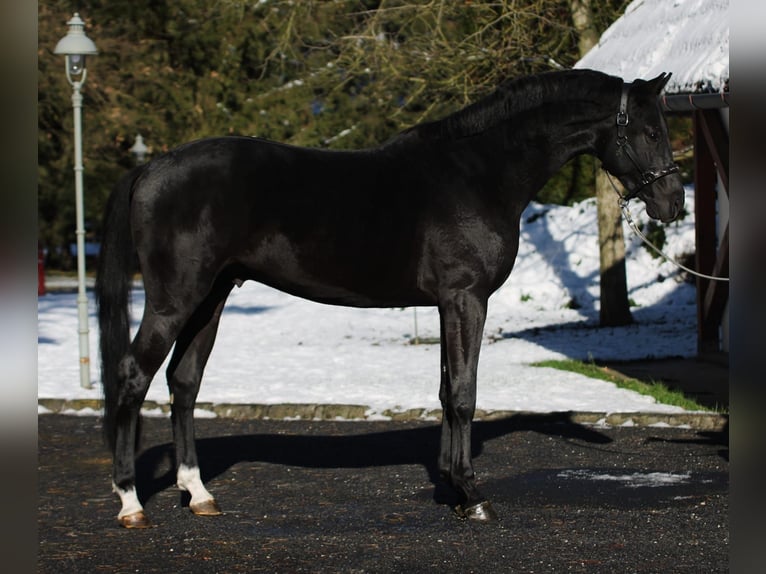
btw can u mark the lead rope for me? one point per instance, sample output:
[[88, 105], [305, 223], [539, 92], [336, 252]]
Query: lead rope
[[623, 203]]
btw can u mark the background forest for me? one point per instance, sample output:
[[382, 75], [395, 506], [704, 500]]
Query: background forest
[[325, 73]]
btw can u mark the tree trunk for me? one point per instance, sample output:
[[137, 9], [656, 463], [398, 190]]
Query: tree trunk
[[582, 18], [615, 309], [614, 285]]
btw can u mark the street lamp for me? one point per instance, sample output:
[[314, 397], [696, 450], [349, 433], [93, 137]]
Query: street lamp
[[139, 149], [75, 46]]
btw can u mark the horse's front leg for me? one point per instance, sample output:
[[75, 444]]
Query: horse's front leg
[[462, 324]]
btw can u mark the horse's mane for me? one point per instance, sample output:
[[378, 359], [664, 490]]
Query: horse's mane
[[514, 97]]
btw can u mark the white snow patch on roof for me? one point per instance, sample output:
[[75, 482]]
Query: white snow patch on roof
[[689, 38]]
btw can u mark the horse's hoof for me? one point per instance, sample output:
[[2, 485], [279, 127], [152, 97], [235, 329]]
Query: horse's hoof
[[135, 520], [481, 512], [206, 508]]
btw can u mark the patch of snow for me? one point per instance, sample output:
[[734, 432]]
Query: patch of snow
[[689, 38], [633, 480]]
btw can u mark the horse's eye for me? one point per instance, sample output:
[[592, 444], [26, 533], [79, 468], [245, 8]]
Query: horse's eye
[[652, 134]]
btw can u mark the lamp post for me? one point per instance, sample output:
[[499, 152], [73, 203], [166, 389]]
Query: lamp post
[[75, 46], [139, 149]]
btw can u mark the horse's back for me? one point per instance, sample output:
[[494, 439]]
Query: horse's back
[[331, 226]]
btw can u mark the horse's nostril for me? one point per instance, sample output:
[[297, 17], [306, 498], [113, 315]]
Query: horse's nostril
[[678, 205]]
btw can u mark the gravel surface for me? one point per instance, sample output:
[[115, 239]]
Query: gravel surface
[[325, 496]]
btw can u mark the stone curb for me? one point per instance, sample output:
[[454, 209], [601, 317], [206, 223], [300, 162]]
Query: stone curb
[[702, 421]]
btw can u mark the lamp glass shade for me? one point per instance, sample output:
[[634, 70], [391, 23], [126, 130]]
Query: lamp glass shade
[[75, 63]]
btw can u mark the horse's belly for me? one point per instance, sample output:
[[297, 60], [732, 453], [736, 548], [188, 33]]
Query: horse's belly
[[335, 276]]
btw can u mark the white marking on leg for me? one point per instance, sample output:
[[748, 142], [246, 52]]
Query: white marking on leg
[[129, 499], [188, 479]]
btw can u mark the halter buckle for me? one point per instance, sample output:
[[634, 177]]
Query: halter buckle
[[622, 118], [622, 113]]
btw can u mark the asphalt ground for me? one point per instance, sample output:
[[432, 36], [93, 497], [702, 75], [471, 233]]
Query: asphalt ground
[[364, 496]]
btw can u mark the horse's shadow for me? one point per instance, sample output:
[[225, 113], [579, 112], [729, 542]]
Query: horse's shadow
[[414, 446], [716, 438]]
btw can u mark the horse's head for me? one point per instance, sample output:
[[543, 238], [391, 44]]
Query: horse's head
[[638, 150]]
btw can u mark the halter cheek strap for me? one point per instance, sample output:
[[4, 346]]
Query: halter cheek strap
[[622, 114], [647, 176]]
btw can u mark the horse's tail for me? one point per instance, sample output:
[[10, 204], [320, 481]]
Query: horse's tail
[[113, 281]]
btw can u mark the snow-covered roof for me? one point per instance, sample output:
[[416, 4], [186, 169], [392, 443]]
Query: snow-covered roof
[[689, 38]]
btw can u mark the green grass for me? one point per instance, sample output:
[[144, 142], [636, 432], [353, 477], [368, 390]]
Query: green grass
[[657, 390]]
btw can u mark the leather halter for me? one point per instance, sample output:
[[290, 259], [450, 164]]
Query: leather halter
[[647, 176]]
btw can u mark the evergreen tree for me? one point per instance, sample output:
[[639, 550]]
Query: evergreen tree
[[343, 74]]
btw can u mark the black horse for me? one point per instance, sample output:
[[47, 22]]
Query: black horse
[[429, 218]]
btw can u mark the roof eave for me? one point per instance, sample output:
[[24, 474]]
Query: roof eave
[[691, 102]]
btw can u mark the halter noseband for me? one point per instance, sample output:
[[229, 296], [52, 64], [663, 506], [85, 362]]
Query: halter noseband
[[646, 176]]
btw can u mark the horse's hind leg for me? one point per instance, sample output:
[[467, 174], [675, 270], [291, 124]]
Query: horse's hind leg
[[151, 345], [184, 375]]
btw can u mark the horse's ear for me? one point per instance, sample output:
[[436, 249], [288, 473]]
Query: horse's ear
[[658, 83]]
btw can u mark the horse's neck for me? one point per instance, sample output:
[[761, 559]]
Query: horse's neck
[[568, 128], [527, 130], [514, 100], [564, 111], [518, 155], [527, 150]]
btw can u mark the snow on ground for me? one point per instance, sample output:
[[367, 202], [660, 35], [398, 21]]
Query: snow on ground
[[274, 348]]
